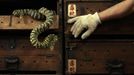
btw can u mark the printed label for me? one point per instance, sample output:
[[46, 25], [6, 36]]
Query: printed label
[[71, 10], [71, 65]]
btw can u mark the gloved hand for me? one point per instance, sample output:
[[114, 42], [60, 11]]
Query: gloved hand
[[90, 22]]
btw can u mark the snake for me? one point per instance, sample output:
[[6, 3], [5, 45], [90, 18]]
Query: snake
[[47, 17]]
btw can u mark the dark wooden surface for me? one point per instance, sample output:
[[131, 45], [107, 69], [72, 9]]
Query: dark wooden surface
[[101, 51], [111, 40], [31, 58], [26, 22]]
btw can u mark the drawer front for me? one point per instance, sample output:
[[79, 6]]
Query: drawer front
[[92, 56]]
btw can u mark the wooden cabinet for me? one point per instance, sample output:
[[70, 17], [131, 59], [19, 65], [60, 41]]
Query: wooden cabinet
[[17, 55], [112, 40]]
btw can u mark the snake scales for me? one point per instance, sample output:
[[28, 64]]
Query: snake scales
[[41, 14]]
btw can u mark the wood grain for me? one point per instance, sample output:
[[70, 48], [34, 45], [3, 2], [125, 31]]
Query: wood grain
[[26, 22]]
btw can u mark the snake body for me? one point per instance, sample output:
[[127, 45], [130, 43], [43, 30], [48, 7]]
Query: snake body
[[41, 14], [31, 12]]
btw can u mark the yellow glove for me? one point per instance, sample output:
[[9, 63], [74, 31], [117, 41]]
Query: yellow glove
[[90, 22]]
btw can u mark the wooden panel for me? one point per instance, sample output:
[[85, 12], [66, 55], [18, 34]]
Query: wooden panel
[[31, 58], [98, 52], [26, 22], [23, 47], [14, 40], [4, 22], [35, 63]]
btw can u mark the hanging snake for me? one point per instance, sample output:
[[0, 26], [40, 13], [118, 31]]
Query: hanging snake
[[41, 14]]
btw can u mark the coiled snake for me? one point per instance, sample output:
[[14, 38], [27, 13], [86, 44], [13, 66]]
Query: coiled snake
[[41, 14]]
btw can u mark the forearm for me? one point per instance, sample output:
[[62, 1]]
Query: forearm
[[117, 11]]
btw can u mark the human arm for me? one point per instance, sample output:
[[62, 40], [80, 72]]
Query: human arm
[[119, 10], [91, 21]]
